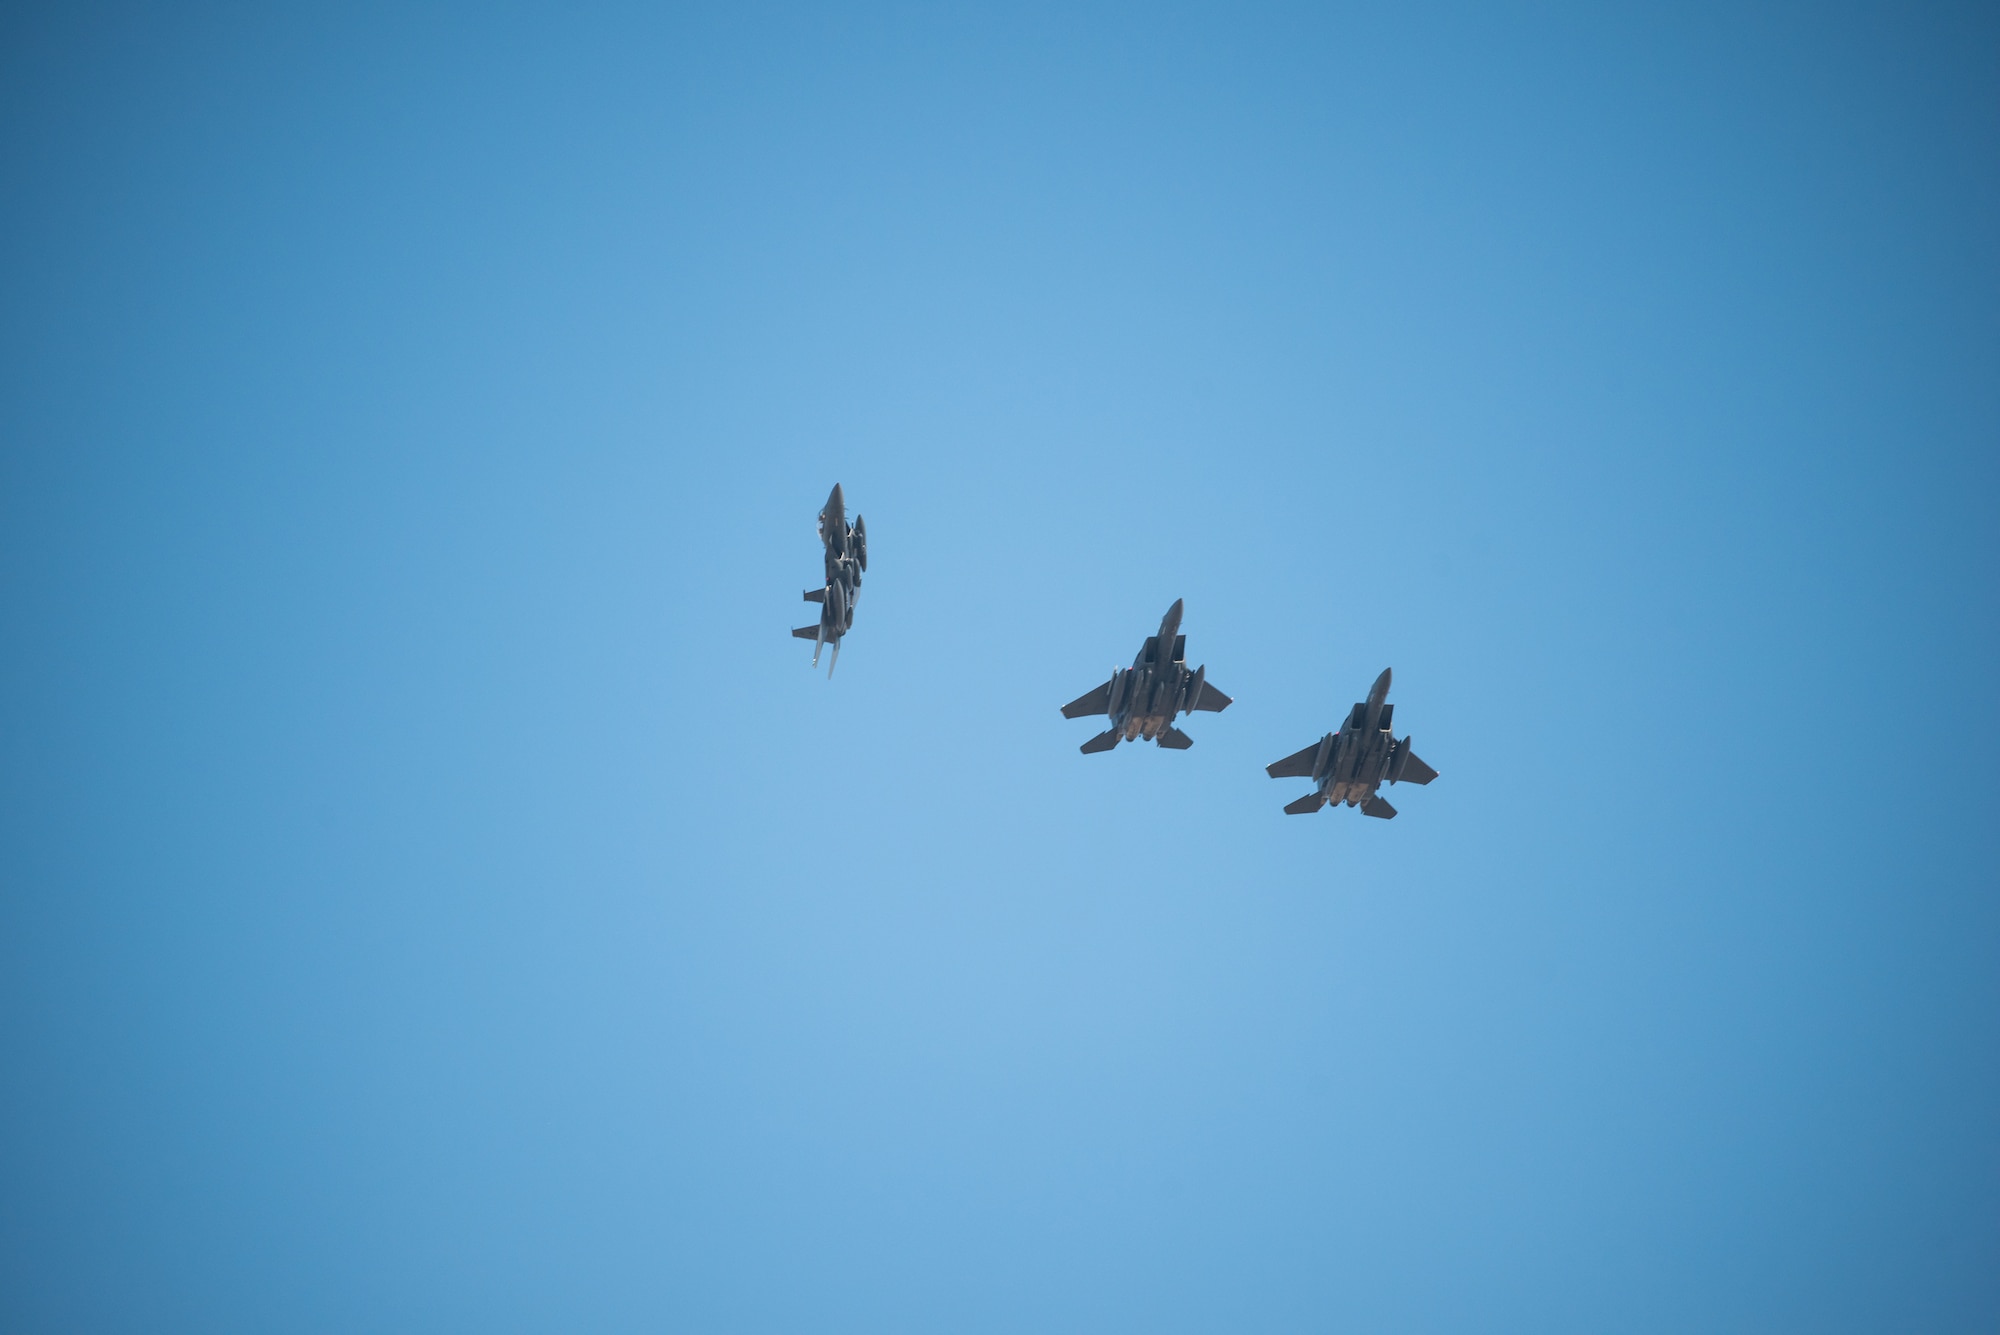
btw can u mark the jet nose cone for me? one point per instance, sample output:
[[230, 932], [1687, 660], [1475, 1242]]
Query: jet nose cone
[[1380, 690], [1174, 612], [833, 501]]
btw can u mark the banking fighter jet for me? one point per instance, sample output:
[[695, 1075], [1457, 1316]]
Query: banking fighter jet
[[1143, 699], [1349, 765], [846, 557]]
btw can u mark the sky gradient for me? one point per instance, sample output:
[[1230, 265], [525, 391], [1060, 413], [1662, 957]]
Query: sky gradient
[[439, 896]]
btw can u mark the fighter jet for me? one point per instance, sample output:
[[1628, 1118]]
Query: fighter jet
[[846, 557], [1143, 699], [1347, 766]]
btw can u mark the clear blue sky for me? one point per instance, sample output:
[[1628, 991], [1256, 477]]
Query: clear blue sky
[[438, 895]]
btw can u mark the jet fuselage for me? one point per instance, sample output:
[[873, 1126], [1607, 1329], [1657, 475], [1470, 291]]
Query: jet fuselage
[[1143, 700], [1348, 766], [846, 551]]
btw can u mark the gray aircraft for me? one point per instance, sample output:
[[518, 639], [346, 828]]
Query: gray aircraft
[[1349, 765], [846, 557], [1143, 699]]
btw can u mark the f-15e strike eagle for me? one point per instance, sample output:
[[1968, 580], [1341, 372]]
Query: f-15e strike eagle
[[1347, 766], [1143, 699], [846, 557]]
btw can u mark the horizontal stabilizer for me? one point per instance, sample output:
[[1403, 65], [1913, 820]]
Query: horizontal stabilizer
[[1096, 702], [1104, 741], [1298, 765], [807, 632], [1416, 771], [1375, 806], [1305, 806], [1174, 739], [816, 595], [1211, 699]]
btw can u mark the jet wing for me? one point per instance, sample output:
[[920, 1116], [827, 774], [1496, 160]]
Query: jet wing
[[1096, 702], [1415, 771], [1211, 699], [1298, 765]]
